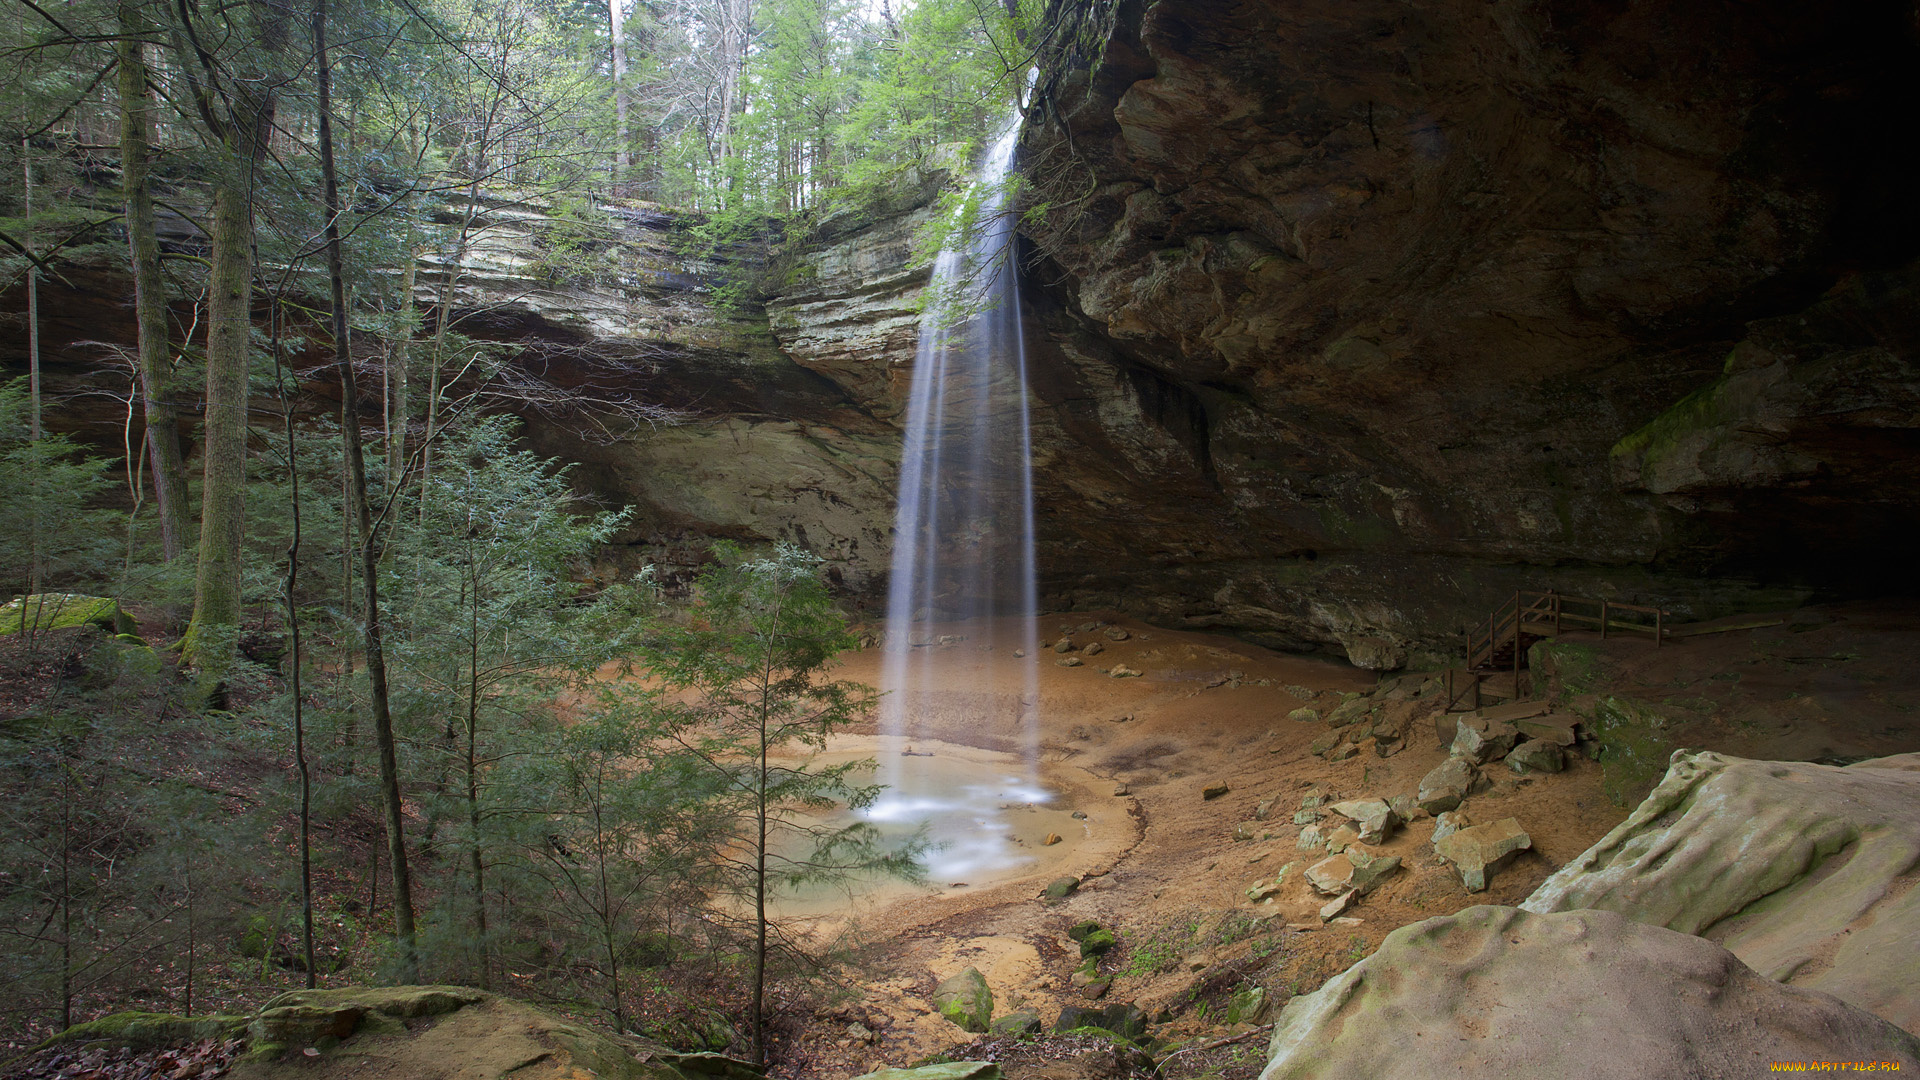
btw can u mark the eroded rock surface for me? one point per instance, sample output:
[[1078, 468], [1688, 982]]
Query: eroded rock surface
[[1806, 872], [1495, 991]]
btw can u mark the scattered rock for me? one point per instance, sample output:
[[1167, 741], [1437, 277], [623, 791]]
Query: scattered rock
[[1342, 752], [1556, 728], [1341, 838], [1447, 785], [1307, 817], [1304, 715], [1259, 892], [1123, 1019], [1121, 719], [1214, 791], [1583, 993], [1480, 740], [1331, 876], [1800, 869], [1312, 799], [965, 1000], [1116, 633], [1352, 710], [1448, 822], [1071, 661], [1334, 908], [1312, 838], [1122, 671], [1387, 747], [1325, 742], [1052, 839], [1018, 1022], [1264, 810], [1064, 645], [1121, 789], [1403, 807], [1060, 888], [1097, 943], [1093, 648], [1477, 849], [862, 1033], [1019, 654], [1374, 819], [1536, 755], [1369, 869], [1249, 830], [1247, 1006]]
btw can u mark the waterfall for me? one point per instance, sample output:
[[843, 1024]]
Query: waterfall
[[963, 528]]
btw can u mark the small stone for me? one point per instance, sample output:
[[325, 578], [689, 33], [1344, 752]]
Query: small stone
[[1339, 904], [1265, 810], [1121, 719], [1120, 790], [1246, 830], [1199, 961], [1387, 747], [1325, 742], [1115, 633], [1305, 716], [1071, 661], [1122, 671], [1311, 839], [1312, 799], [1214, 791], [1446, 786], [1090, 627], [1019, 654], [1306, 817], [1341, 838], [1342, 753], [1052, 839], [1346, 920], [1079, 815], [1448, 822], [1480, 741], [1536, 755], [863, 1033], [1093, 648], [1477, 849], [1060, 888], [1063, 646], [1018, 1022]]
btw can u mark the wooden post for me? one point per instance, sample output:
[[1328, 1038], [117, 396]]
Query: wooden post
[[1659, 627], [1556, 614], [1603, 618]]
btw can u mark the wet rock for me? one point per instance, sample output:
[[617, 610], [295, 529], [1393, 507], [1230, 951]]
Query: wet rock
[[1447, 785], [1577, 994], [1478, 849], [1536, 756], [1304, 715], [1060, 888], [965, 1000]]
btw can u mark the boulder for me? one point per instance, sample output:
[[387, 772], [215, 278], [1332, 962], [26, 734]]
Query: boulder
[[1447, 785], [1337, 906], [41, 612], [1064, 645], [1341, 838], [1305, 716], [1536, 756], [1373, 818], [1802, 870], [1557, 728], [1352, 710], [1480, 740], [1247, 1006], [1018, 1022], [1060, 888], [1369, 870], [1092, 648], [1071, 661], [1121, 1018], [966, 1000], [1097, 943], [1342, 752], [1325, 741], [1116, 633], [1331, 876], [1214, 791], [1448, 822], [1312, 838], [1478, 849], [1494, 991]]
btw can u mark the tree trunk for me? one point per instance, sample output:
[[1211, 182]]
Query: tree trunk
[[209, 641], [357, 479], [149, 295], [622, 155]]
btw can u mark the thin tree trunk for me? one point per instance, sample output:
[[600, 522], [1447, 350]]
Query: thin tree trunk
[[288, 586], [357, 477], [476, 864], [622, 103], [149, 295], [36, 568]]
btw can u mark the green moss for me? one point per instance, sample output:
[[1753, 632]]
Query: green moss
[[1571, 670], [57, 611], [149, 1031], [1698, 410], [1634, 748]]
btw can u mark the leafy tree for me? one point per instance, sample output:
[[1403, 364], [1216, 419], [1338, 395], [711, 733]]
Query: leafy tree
[[50, 535], [752, 657]]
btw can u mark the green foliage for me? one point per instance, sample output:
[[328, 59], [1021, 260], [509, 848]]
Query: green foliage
[[50, 533]]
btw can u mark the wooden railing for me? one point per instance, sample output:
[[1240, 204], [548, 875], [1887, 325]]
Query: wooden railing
[[1501, 645]]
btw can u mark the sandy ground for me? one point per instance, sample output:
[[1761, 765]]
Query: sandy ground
[[1161, 864]]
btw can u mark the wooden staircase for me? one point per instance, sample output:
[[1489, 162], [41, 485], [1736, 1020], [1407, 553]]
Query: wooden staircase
[[1500, 647]]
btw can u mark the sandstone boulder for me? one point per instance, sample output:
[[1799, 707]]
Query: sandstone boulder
[[1480, 740], [1536, 756], [965, 1000], [1477, 849], [1447, 786], [1494, 991], [1804, 871]]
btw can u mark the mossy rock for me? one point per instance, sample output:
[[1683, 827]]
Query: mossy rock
[[303, 1017], [1570, 669], [1634, 748], [148, 1031], [1098, 942], [58, 611], [965, 1000]]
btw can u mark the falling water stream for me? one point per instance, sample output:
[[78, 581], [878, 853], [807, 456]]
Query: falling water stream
[[963, 563]]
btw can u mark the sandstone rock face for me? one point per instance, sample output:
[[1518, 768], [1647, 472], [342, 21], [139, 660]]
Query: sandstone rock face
[[1804, 871], [1497, 991], [1385, 289]]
